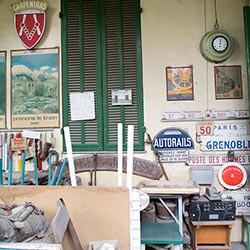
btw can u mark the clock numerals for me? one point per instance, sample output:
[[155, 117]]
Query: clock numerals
[[220, 43]]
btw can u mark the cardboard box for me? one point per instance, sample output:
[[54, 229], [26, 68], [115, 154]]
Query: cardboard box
[[97, 213]]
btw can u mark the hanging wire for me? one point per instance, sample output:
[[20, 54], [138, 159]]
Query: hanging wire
[[216, 25]]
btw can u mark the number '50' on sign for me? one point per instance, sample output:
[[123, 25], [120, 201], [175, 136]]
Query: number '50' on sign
[[205, 128]]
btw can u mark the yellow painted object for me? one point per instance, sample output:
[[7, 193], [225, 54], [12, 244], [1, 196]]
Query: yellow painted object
[[19, 161]]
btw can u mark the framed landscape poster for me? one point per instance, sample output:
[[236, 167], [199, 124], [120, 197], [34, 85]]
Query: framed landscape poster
[[2, 89], [35, 88], [228, 83], [179, 83]]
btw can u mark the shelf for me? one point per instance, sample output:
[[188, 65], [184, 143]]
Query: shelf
[[164, 232], [160, 233]]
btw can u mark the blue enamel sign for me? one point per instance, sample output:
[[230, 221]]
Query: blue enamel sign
[[172, 139]]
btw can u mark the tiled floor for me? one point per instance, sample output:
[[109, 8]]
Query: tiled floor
[[238, 246], [235, 246]]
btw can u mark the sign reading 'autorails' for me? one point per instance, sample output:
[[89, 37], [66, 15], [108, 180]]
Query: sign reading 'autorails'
[[172, 139]]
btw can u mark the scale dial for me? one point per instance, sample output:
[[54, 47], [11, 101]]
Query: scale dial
[[220, 43], [216, 46]]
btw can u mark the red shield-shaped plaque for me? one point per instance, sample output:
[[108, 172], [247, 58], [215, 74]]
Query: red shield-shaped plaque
[[30, 27]]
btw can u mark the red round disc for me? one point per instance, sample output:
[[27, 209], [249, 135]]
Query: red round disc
[[232, 175]]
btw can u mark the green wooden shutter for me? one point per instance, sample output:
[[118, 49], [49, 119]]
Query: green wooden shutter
[[80, 63], [246, 12], [121, 64], [101, 53]]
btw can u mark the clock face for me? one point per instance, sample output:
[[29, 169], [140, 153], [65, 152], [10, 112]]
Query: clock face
[[216, 46], [220, 43]]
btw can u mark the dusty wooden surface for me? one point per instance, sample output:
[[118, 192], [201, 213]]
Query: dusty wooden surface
[[169, 187]]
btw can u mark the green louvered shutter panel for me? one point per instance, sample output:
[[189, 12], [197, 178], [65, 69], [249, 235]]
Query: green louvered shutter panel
[[101, 53], [81, 63], [122, 67]]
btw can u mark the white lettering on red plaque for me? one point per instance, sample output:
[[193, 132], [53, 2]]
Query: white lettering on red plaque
[[29, 21]]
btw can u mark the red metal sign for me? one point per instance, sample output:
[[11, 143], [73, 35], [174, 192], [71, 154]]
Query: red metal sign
[[29, 21], [232, 175]]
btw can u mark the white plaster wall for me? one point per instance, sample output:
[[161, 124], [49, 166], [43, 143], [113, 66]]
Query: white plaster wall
[[171, 32], [10, 41]]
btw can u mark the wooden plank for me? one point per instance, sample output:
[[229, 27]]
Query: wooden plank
[[213, 223], [62, 222], [30, 246], [75, 239], [213, 247], [169, 187]]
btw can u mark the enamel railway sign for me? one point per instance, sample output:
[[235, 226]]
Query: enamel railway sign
[[232, 175], [173, 144], [198, 115], [29, 21], [242, 198], [226, 137], [217, 158]]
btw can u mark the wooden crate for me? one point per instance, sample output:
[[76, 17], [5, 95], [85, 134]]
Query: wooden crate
[[211, 234]]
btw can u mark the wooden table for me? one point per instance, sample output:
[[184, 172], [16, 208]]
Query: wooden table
[[211, 234]]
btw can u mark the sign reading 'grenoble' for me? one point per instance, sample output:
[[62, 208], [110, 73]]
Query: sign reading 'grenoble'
[[227, 137], [172, 139]]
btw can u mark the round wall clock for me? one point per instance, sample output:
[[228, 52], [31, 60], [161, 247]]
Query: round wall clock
[[216, 46]]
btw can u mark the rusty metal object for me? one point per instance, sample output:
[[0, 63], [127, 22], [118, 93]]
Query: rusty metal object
[[108, 162], [158, 158]]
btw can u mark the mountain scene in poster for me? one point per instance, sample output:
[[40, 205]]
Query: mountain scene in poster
[[35, 83]]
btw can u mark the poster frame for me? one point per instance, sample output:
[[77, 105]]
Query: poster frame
[[39, 76], [180, 85], [3, 54]]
